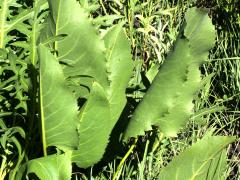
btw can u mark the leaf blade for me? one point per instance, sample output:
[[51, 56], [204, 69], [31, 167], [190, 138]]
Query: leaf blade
[[58, 115], [168, 103], [85, 55], [54, 167], [118, 55], [94, 128], [195, 161]]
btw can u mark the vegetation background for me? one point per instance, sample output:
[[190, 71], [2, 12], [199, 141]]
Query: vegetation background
[[152, 27]]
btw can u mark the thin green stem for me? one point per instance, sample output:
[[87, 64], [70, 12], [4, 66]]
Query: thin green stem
[[104, 9], [2, 171], [157, 142], [124, 159], [3, 20], [33, 73]]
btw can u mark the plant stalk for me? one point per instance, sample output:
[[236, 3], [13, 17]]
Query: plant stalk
[[124, 159]]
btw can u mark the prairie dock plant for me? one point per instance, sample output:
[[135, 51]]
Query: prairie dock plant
[[118, 90]]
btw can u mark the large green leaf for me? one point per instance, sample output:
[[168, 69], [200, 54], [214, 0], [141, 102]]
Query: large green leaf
[[203, 160], [58, 105], [102, 110], [169, 101], [53, 167], [84, 55], [120, 68], [94, 129], [82, 49]]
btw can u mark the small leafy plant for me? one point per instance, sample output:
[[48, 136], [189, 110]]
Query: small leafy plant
[[79, 80]]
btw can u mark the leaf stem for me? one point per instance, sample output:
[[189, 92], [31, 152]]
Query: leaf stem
[[3, 20], [104, 9], [2, 169], [157, 142], [124, 159], [42, 119]]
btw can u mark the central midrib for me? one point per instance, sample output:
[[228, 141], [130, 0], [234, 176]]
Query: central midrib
[[4, 12], [42, 116]]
